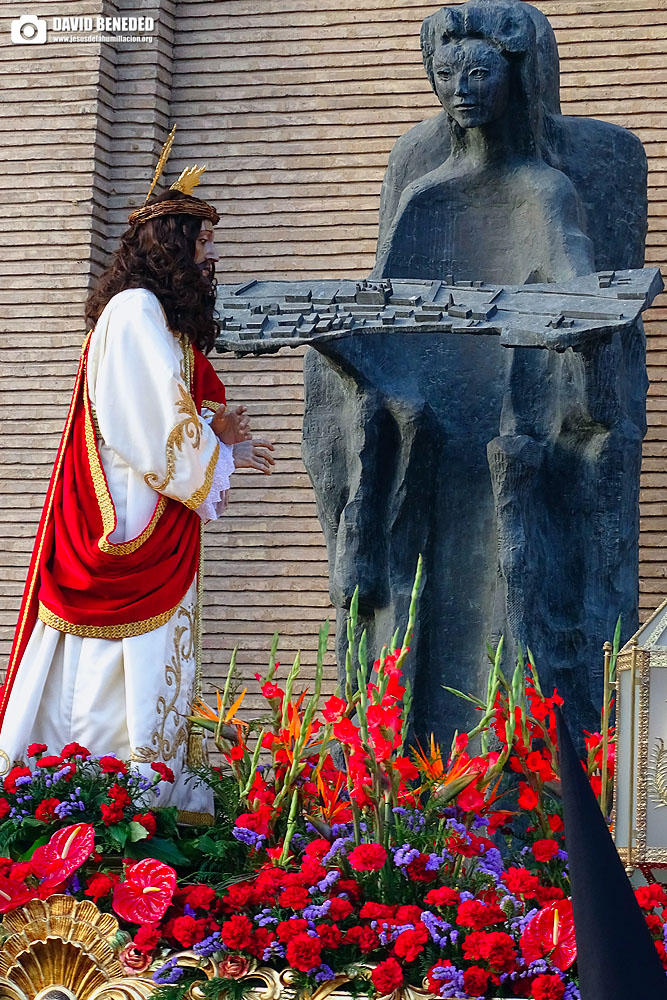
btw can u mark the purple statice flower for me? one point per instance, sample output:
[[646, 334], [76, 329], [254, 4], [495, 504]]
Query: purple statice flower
[[572, 992], [435, 861], [324, 974], [73, 885], [436, 926], [275, 950], [562, 855], [25, 779], [491, 864], [453, 936], [519, 923], [329, 879], [451, 980], [208, 946], [47, 780], [317, 912], [168, 973], [188, 911], [465, 895], [404, 855], [265, 918], [338, 845], [64, 809], [399, 811], [57, 775], [341, 830], [246, 836], [479, 822]]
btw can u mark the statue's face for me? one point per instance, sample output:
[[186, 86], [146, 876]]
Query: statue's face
[[472, 81]]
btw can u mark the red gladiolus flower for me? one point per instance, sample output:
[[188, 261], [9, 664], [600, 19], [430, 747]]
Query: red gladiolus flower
[[333, 709], [65, 852], [36, 748], [368, 857], [551, 933], [528, 797], [145, 895], [548, 987], [304, 952], [387, 977]]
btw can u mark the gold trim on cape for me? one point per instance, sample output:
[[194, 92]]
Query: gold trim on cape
[[105, 631], [198, 497]]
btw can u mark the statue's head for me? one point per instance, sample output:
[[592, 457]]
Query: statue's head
[[481, 60]]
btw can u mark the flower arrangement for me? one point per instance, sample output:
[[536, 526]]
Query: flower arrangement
[[349, 857]]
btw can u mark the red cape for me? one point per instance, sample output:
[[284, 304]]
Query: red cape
[[78, 581]]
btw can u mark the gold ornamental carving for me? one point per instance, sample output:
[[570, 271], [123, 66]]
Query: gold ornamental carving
[[63, 949]]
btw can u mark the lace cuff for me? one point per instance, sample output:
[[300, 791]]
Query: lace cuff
[[216, 501]]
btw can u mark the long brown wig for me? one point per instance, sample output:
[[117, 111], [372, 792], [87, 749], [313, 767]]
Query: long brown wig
[[160, 255]]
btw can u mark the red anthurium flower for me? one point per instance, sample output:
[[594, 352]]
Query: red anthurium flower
[[551, 932], [145, 895], [13, 894], [65, 852]]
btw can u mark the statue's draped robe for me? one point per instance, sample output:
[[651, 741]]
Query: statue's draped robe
[[105, 651]]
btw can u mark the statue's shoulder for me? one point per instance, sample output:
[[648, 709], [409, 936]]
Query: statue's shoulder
[[422, 148]]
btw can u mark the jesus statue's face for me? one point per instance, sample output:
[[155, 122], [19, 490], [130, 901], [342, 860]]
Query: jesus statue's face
[[472, 81], [205, 253]]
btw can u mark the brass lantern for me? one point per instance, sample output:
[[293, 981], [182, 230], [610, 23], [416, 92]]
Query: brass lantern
[[640, 808]]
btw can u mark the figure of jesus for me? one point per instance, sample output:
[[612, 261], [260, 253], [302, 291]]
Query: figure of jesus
[[106, 652]]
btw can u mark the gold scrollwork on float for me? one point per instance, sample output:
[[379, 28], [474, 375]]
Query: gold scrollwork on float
[[63, 949]]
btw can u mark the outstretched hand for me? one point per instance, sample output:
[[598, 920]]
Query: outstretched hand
[[231, 425], [254, 454]]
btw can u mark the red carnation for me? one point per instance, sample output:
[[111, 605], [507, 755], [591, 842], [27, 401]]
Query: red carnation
[[147, 820], [545, 850], [410, 944], [408, 914], [368, 857], [111, 814], [74, 750], [46, 810], [9, 784], [110, 765], [304, 952], [100, 886], [236, 932], [119, 796], [5, 808], [649, 896], [200, 897], [330, 935], [50, 761], [418, 872], [476, 981], [188, 931], [294, 898], [36, 748], [147, 938], [387, 977], [364, 938], [442, 897], [521, 882], [339, 908], [166, 773], [548, 988], [378, 911], [477, 914], [287, 929]]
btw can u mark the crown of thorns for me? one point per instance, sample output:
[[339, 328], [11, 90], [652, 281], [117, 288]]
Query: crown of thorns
[[186, 183]]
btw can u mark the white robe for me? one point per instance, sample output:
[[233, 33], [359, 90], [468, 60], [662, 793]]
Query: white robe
[[131, 696]]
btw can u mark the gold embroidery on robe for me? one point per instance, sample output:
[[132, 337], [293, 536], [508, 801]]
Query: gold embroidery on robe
[[166, 710], [188, 428]]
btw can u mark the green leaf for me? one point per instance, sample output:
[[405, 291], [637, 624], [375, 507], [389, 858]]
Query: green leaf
[[119, 834], [137, 832], [33, 847], [161, 850]]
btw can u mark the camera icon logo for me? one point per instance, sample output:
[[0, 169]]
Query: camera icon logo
[[28, 30]]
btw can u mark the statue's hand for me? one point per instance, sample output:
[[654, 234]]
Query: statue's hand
[[232, 426], [254, 454]]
